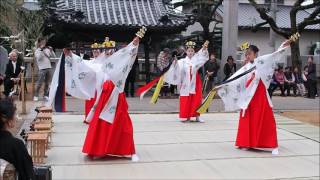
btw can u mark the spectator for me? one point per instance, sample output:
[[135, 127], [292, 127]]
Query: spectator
[[3, 63], [298, 76], [13, 149], [163, 62], [273, 84], [42, 55], [129, 86], [13, 70], [311, 78], [304, 77], [229, 68], [279, 77], [289, 81], [211, 68]]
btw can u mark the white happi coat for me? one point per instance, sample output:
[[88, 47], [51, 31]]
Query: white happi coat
[[179, 73], [236, 96], [84, 78]]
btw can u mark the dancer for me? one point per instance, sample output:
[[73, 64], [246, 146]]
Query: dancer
[[247, 90], [184, 74], [110, 129]]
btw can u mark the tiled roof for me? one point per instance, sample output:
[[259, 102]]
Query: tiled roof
[[248, 16], [150, 13]]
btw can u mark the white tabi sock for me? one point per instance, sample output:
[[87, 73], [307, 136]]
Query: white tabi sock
[[134, 158]]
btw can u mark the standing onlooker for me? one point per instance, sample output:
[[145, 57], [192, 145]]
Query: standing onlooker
[[13, 149], [211, 68], [273, 84], [289, 81], [311, 78], [131, 79], [163, 62], [279, 76], [13, 70], [3, 63], [304, 77], [42, 55], [229, 68], [298, 76]]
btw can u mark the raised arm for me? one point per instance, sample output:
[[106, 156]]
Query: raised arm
[[201, 57]]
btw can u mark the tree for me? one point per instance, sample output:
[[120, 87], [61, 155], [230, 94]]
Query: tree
[[313, 18], [203, 12]]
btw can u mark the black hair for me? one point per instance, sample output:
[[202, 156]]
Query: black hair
[[254, 48], [41, 39], [7, 111], [230, 58]]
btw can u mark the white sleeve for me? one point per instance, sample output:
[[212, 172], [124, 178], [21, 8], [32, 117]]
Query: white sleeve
[[200, 58], [80, 78], [118, 65], [173, 75]]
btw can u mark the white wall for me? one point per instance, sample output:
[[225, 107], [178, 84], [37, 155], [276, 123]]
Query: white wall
[[261, 39]]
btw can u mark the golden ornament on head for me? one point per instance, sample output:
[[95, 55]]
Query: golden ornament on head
[[95, 45], [294, 37], [141, 32], [244, 46], [190, 44]]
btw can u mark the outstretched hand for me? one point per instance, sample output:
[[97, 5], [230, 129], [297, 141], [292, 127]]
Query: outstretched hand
[[286, 43], [205, 45], [136, 41]]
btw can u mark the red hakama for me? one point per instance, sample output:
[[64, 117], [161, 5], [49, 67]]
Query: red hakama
[[189, 104], [104, 138], [257, 129], [88, 105]]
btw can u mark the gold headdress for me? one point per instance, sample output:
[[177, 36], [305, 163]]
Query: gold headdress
[[95, 45], [190, 44], [244, 46], [108, 44]]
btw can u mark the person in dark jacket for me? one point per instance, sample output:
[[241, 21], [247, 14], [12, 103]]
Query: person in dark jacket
[[13, 149], [229, 68], [289, 81], [299, 81], [129, 87], [13, 70], [211, 69], [311, 78]]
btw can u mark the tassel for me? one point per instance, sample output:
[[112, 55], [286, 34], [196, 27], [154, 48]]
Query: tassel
[[156, 93], [207, 101]]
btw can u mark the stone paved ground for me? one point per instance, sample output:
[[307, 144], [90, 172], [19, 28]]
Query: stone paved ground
[[171, 105], [169, 149]]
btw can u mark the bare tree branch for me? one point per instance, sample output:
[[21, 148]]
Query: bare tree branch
[[216, 7], [257, 26], [309, 20], [263, 14]]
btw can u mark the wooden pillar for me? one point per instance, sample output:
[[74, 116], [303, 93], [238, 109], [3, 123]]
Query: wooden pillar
[[147, 60]]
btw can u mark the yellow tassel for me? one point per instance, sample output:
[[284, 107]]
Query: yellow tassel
[[156, 93], [207, 101]]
